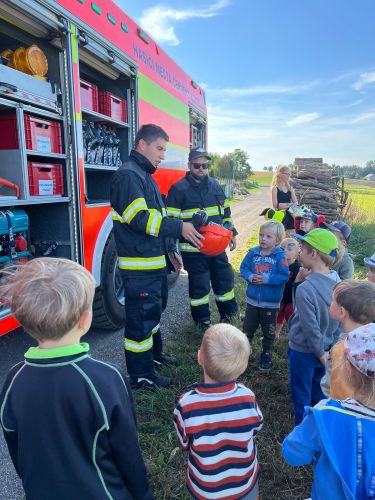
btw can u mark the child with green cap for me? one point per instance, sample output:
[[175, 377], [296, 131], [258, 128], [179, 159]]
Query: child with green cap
[[312, 331]]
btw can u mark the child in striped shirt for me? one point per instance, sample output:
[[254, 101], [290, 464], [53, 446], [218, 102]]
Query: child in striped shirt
[[216, 421]]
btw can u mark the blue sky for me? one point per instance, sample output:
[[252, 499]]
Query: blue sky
[[283, 79]]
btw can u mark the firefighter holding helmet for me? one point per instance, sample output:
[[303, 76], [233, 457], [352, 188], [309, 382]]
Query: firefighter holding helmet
[[200, 199], [143, 235]]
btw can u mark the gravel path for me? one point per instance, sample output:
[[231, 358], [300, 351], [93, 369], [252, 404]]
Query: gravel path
[[109, 346]]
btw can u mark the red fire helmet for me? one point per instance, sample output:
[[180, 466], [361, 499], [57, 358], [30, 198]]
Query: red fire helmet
[[216, 239]]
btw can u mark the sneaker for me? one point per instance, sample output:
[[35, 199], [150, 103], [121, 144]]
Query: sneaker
[[152, 381], [265, 362], [203, 325], [164, 360], [225, 319], [280, 436]]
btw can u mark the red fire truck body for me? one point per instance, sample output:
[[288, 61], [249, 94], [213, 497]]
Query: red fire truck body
[[105, 78]]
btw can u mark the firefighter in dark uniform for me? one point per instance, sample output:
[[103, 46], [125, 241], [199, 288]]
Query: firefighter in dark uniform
[[196, 192], [141, 229]]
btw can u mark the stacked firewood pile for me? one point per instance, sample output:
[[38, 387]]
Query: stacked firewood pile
[[317, 186]]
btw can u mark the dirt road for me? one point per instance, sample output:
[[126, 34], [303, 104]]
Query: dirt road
[[246, 215]]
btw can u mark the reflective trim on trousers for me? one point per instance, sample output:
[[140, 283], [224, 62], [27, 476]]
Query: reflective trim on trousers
[[133, 346], [199, 302], [155, 329], [227, 296]]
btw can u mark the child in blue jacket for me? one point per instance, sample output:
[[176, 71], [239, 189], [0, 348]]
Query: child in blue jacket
[[266, 270], [338, 436]]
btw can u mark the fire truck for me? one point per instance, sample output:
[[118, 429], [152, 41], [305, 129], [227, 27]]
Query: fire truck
[[77, 79]]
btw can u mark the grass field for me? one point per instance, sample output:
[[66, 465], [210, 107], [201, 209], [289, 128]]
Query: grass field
[[262, 178], [361, 217], [165, 462]]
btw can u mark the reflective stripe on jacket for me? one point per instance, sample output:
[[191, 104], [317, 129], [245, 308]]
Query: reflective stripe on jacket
[[140, 223], [186, 197]]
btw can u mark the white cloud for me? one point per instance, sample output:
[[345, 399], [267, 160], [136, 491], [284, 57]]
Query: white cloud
[[159, 20], [300, 119], [364, 79], [363, 117], [275, 89], [262, 133], [355, 103]]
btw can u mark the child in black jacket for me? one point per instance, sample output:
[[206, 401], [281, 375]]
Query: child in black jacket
[[68, 419], [291, 249]]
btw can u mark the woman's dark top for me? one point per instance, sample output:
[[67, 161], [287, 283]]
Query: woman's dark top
[[283, 197]]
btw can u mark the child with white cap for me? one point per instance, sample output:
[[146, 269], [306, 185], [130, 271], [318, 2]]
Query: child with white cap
[[338, 436], [345, 266], [370, 263]]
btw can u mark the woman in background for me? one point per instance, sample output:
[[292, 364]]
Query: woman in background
[[283, 195]]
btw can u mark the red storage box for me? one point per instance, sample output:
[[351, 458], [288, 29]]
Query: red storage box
[[42, 135], [113, 106], [8, 131], [89, 96], [45, 179]]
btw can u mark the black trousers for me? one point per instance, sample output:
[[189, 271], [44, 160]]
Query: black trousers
[[145, 299], [203, 272], [266, 318]]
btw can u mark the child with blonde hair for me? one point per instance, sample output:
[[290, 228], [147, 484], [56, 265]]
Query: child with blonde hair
[[216, 420], [353, 305], [282, 194], [338, 436], [265, 268], [68, 419]]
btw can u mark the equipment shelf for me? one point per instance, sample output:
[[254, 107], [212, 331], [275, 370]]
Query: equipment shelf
[[35, 200], [101, 168], [98, 117], [57, 156]]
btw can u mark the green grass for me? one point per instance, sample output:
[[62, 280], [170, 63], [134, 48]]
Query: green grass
[[361, 218], [167, 464], [260, 178]]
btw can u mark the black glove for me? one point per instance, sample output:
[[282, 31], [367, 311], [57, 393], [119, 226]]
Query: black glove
[[199, 219]]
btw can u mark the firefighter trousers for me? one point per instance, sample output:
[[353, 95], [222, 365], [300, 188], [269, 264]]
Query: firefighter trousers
[[145, 299], [203, 272]]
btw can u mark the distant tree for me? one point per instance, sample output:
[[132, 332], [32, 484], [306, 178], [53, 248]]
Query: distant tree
[[234, 165], [215, 157], [369, 168], [270, 169], [242, 167]]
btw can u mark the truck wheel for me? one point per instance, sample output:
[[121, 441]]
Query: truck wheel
[[109, 301]]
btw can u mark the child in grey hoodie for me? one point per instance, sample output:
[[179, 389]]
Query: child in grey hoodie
[[312, 331]]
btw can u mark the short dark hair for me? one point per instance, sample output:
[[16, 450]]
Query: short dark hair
[[150, 133], [357, 298]]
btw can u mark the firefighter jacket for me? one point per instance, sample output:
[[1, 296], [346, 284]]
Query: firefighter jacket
[[140, 223], [186, 197]]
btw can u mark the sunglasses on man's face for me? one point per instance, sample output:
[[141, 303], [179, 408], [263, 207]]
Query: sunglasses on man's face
[[197, 166]]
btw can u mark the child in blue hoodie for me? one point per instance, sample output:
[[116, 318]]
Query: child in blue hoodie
[[266, 270], [338, 436]]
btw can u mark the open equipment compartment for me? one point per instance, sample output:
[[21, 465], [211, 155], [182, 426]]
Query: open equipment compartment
[[40, 214], [107, 140]]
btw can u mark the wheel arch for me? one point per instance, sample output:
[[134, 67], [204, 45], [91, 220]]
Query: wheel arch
[[100, 244]]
